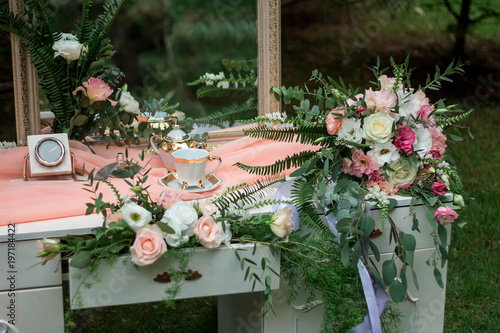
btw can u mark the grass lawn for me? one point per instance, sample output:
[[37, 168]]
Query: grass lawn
[[325, 37]]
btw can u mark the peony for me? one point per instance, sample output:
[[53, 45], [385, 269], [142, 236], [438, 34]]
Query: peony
[[281, 222], [333, 123], [438, 147], [405, 137], [404, 173], [182, 214], [378, 127], [96, 90], [360, 164], [439, 188], [48, 249], [351, 131], [177, 238], [208, 232], [168, 198], [136, 216], [382, 100], [113, 218], [423, 141], [68, 47], [148, 245], [207, 207], [384, 153], [128, 103], [445, 215]]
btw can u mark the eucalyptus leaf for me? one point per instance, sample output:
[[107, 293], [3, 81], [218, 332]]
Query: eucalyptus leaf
[[388, 272], [397, 291], [167, 229], [438, 277], [430, 218], [443, 235], [81, 259]]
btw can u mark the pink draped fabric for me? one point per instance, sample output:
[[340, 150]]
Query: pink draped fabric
[[30, 201]]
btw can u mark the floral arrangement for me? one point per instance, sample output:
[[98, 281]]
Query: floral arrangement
[[371, 145], [73, 71]]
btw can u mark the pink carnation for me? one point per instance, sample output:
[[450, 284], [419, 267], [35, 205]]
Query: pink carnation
[[383, 100], [438, 143], [333, 123], [405, 138], [445, 215], [439, 188], [360, 164]]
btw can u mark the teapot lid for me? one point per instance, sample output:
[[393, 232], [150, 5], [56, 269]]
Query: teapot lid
[[176, 134]]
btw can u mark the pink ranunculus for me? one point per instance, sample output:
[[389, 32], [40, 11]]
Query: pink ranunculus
[[333, 123], [113, 218], [405, 138], [360, 164], [148, 245], [445, 215], [382, 100], [168, 198], [208, 232], [207, 207], [438, 143], [439, 188], [96, 90]]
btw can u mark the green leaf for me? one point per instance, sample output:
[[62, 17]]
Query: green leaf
[[80, 120], [81, 259], [415, 280], [443, 235], [438, 277], [167, 229], [397, 291], [356, 254], [415, 224], [375, 250], [430, 218], [367, 224], [388, 272], [409, 241], [344, 257]]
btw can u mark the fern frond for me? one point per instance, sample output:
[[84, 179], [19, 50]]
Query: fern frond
[[105, 20], [302, 134], [84, 26], [279, 166], [213, 91], [230, 113], [50, 31]]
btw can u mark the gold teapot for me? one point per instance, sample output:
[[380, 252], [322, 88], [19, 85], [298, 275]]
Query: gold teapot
[[176, 139]]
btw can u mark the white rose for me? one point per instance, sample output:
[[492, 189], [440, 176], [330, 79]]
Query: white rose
[[423, 141], [378, 127], [177, 238], [135, 215], [129, 103], [68, 47], [404, 172], [282, 223], [182, 214], [385, 153], [351, 130]]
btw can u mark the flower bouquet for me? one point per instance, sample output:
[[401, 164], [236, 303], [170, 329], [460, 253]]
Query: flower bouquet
[[371, 145], [74, 73]]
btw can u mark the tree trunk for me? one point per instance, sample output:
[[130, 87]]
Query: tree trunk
[[462, 28]]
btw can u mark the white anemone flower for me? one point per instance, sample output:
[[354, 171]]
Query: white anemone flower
[[351, 130], [384, 153], [136, 216], [177, 238]]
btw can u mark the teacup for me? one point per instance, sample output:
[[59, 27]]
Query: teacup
[[190, 164]]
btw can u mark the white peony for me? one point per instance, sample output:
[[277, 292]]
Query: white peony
[[176, 239], [182, 214], [68, 47], [351, 130], [128, 102], [135, 216], [404, 173], [423, 141], [385, 153], [378, 127]]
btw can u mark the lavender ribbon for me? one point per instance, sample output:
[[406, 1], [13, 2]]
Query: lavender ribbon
[[375, 296]]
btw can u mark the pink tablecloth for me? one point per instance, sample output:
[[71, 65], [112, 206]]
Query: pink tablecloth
[[42, 200]]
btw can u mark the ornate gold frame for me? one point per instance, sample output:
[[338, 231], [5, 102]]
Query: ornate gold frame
[[269, 63]]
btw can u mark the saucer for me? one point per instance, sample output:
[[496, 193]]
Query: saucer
[[210, 181]]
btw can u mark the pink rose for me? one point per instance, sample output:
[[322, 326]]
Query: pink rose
[[445, 215], [333, 123], [113, 218], [360, 164], [405, 138], [208, 232], [438, 143], [207, 207], [439, 188], [167, 199], [148, 245], [96, 90]]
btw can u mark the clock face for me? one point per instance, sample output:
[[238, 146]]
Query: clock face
[[49, 151]]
